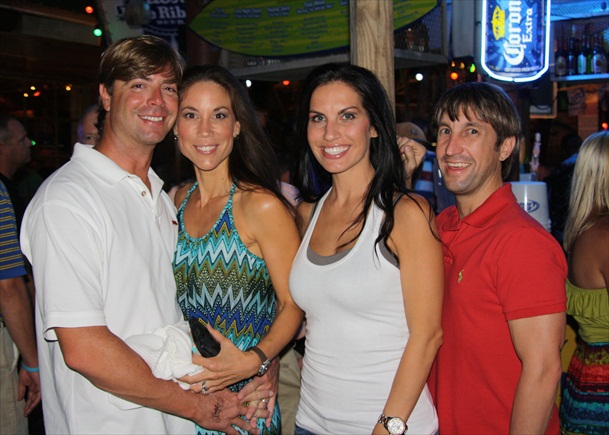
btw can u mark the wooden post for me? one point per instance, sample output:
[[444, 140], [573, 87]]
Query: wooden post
[[372, 46], [199, 51]]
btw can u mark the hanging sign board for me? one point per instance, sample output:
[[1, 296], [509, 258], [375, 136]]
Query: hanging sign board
[[515, 39], [160, 18], [288, 27]]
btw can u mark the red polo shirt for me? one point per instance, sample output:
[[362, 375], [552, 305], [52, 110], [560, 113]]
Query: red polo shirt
[[500, 265]]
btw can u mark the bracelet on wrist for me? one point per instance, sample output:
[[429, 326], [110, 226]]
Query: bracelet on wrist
[[29, 369]]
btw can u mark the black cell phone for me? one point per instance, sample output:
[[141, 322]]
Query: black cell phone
[[207, 345]]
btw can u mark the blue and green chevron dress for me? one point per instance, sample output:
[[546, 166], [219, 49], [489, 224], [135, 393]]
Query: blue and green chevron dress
[[220, 281]]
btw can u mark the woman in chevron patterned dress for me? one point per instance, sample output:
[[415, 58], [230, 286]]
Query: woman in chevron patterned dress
[[237, 237]]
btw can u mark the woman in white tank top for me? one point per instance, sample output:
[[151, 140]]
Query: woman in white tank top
[[369, 271]]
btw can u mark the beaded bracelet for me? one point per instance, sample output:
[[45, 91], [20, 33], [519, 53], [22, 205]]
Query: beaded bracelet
[[29, 369]]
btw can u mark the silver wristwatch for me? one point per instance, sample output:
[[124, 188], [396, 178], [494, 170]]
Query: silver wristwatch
[[265, 361], [394, 425]]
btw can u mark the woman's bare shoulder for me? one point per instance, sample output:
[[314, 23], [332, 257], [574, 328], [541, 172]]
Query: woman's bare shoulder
[[261, 204], [595, 238], [180, 193], [413, 206]]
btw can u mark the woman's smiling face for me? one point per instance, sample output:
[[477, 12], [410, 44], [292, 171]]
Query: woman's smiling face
[[339, 129], [206, 125]]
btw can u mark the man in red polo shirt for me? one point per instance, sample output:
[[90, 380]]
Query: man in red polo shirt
[[504, 309]]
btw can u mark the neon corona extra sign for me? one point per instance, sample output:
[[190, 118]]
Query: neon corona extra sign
[[515, 39]]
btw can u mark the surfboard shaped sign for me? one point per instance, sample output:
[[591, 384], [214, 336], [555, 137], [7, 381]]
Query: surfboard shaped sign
[[274, 28], [515, 39]]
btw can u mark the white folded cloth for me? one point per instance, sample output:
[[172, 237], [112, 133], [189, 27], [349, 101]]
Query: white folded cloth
[[167, 351]]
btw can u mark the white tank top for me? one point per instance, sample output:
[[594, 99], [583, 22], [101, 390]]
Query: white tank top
[[355, 338]]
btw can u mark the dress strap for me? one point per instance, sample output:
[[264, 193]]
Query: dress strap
[[228, 207], [183, 205]]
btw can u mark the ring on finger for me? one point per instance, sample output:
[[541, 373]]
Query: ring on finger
[[265, 400], [204, 389]]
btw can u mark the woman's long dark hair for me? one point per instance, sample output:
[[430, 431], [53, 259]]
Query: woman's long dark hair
[[253, 161], [389, 174]]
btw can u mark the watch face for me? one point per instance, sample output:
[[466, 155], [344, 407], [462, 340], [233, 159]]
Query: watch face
[[396, 426], [264, 367]]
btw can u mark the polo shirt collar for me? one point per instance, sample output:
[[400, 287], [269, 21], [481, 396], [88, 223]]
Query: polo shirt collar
[[107, 169], [494, 204]]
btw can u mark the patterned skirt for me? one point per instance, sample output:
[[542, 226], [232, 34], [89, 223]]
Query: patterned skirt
[[584, 407]]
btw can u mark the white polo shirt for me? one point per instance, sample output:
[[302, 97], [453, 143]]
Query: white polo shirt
[[101, 246]]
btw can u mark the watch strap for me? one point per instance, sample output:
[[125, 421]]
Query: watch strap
[[258, 352]]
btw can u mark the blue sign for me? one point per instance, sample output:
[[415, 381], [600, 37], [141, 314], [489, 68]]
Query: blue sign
[[515, 39], [166, 17]]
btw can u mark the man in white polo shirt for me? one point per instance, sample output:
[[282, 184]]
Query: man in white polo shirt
[[100, 234]]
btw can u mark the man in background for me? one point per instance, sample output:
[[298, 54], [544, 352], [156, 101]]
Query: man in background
[[15, 154], [19, 383], [86, 130], [427, 178], [504, 304]]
